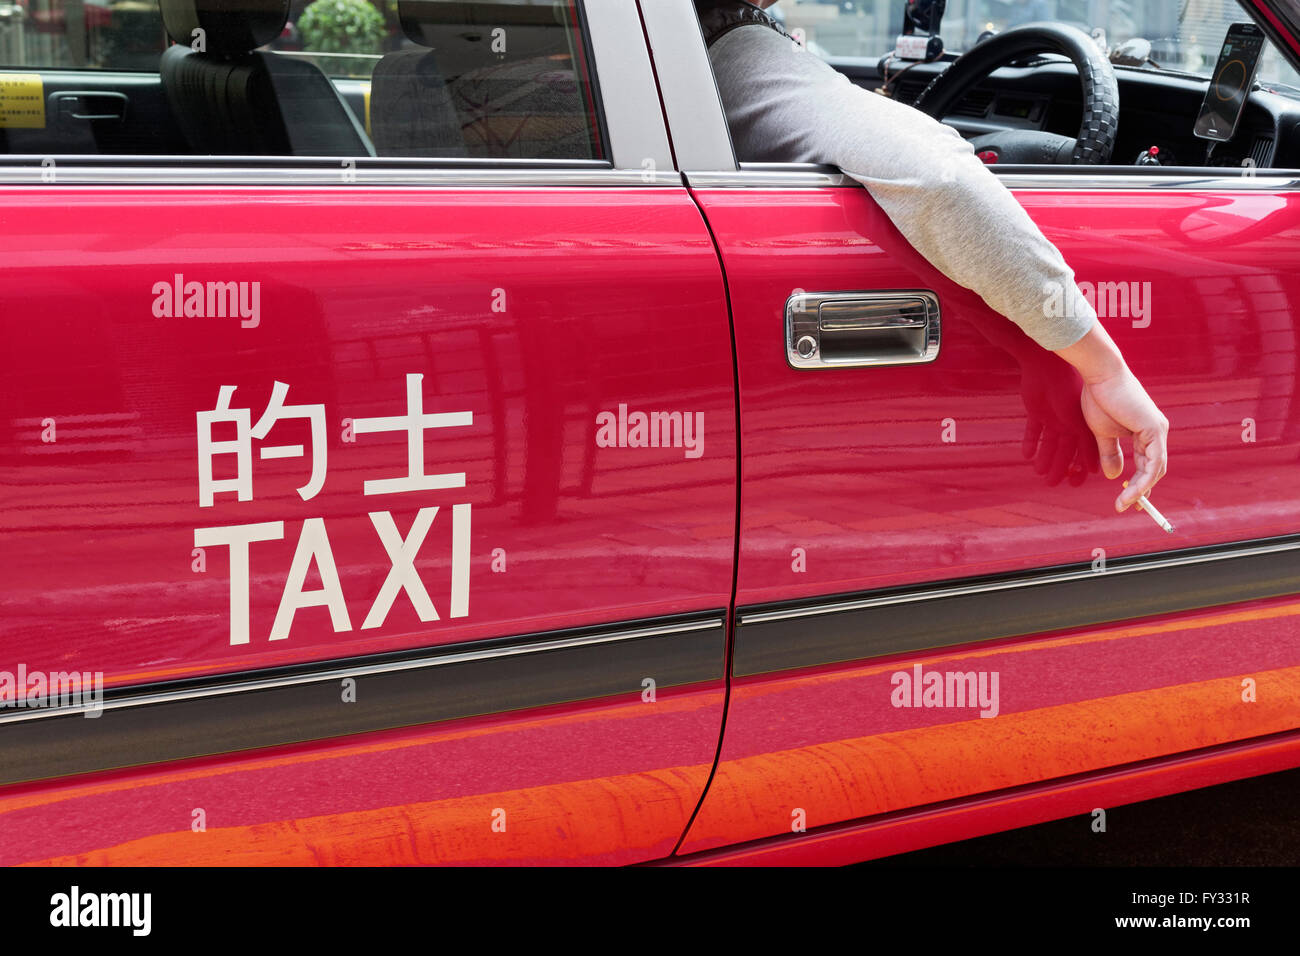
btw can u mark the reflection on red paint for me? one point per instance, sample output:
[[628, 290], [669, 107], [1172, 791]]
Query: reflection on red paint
[[605, 782]]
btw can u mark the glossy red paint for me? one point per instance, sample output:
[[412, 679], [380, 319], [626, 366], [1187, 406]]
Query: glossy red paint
[[1024, 806], [831, 743], [852, 465], [609, 782], [533, 309], [916, 474]]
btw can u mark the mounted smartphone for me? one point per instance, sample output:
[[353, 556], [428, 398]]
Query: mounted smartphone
[[1233, 77]]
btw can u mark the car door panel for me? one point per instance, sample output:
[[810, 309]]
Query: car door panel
[[358, 290], [593, 575], [890, 520], [388, 506], [853, 464]]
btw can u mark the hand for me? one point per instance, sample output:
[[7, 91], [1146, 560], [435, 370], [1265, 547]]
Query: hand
[[1116, 407], [1057, 438]]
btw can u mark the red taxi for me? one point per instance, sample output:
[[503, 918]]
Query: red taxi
[[445, 449]]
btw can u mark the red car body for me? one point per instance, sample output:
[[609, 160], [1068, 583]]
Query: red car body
[[640, 653]]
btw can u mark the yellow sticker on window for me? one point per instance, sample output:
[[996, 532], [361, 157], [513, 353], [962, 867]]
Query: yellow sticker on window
[[22, 101]]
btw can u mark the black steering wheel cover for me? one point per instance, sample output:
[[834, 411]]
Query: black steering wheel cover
[[1096, 138]]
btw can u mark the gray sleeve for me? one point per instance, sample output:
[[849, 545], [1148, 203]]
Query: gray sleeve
[[785, 104]]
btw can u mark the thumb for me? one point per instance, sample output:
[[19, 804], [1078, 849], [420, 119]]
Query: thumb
[[1112, 457]]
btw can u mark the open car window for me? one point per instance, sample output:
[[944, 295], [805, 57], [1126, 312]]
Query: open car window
[[1185, 36]]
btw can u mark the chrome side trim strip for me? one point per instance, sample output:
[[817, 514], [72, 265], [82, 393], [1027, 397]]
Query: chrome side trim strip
[[966, 612], [146, 698], [239, 713], [804, 176], [1014, 584], [775, 176], [1265, 183], [72, 171]]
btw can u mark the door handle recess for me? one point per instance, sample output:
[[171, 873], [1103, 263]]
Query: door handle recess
[[847, 329], [85, 105]]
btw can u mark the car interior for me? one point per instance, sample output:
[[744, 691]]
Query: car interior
[[1041, 92], [444, 88]]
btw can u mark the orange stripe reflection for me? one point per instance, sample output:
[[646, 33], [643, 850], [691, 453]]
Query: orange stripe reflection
[[753, 797], [583, 821], [846, 779]]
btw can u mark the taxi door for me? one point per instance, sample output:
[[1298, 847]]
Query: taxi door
[[383, 510], [931, 603]]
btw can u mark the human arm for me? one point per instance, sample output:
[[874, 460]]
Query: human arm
[[787, 105]]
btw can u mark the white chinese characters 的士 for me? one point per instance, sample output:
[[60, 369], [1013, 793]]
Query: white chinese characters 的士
[[313, 546]]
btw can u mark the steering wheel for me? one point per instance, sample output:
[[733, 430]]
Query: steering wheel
[[1096, 137]]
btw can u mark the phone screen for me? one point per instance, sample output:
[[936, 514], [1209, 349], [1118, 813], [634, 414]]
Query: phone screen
[[1230, 85]]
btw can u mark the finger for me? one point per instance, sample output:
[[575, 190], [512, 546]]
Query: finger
[[1159, 452], [1078, 470], [1150, 468], [1046, 451], [1060, 462], [1088, 454], [1111, 456], [1029, 444], [1143, 480]]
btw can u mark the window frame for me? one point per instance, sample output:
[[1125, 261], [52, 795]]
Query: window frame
[[707, 156], [629, 119]]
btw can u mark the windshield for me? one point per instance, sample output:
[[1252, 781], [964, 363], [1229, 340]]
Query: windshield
[[1185, 35]]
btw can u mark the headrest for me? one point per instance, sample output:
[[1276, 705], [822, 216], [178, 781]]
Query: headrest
[[415, 15], [230, 27], [418, 16]]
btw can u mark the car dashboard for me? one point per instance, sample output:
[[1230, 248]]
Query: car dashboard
[[1157, 108]]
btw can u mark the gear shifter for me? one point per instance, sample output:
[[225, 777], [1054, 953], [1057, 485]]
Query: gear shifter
[[1149, 157]]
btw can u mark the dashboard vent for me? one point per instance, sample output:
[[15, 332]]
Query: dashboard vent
[[976, 103], [906, 91], [1261, 151]]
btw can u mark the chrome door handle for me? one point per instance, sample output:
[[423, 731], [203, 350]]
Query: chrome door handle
[[847, 329]]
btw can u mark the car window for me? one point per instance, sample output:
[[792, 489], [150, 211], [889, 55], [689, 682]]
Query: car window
[[497, 79], [1184, 36]]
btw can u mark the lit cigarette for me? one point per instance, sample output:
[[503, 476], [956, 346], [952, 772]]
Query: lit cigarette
[[1156, 516]]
